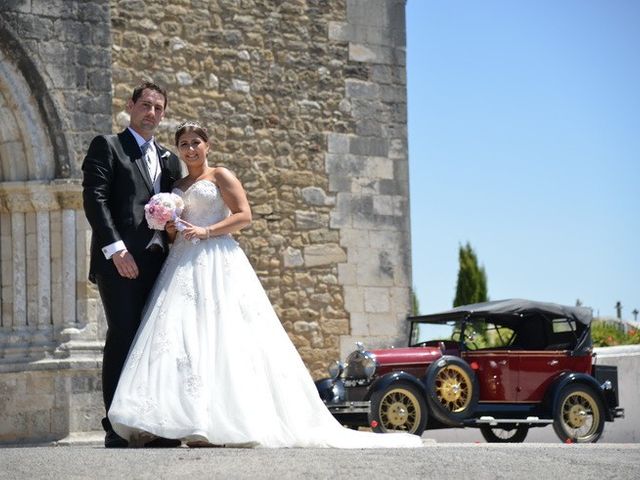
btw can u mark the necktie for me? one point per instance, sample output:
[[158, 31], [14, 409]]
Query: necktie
[[152, 165]]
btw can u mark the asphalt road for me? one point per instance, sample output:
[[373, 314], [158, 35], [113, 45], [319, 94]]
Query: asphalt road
[[438, 461]]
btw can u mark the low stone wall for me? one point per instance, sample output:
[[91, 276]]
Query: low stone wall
[[49, 401]]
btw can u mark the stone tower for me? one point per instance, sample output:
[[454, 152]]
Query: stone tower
[[306, 100]]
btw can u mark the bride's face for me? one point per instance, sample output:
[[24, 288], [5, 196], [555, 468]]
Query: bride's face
[[192, 148]]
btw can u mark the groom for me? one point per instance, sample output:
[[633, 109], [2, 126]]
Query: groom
[[120, 174]]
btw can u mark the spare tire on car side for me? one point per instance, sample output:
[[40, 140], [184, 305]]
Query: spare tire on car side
[[452, 390]]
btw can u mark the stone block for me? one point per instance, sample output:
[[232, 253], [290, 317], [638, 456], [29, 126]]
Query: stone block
[[22, 6], [340, 31], [389, 205], [350, 237], [384, 239], [316, 196], [327, 254], [400, 300], [39, 422], [376, 300], [347, 274], [383, 324], [338, 142], [367, 12], [370, 127], [310, 220], [60, 421], [37, 28], [292, 257], [393, 94], [378, 168], [397, 149], [359, 324], [240, 86], [361, 90], [339, 183], [39, 385], [345, 165], [353, 300], [369, 146], [375, 270], [374, 54], [340, 218]]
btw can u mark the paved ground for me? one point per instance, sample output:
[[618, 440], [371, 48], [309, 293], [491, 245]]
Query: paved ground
[[438, 461]]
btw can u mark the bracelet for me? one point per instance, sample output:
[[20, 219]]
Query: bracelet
[[207, 230]]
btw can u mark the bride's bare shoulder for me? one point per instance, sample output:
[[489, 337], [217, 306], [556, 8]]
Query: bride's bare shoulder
[[223, 176]]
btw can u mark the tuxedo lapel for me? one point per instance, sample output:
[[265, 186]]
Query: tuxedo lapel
[[132, 150], [167, 178]]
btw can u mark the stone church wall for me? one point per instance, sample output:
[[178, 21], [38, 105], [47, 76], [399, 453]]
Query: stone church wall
[[306, 101]]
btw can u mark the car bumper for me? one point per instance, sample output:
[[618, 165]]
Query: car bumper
[[351, 414], [341, 408], [617, 412]]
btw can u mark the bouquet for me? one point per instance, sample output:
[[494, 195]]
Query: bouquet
[[161, 208]]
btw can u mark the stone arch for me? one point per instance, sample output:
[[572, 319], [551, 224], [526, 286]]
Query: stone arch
[[32, 143]]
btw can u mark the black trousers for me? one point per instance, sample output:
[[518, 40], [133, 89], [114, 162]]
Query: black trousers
[[123, 301]]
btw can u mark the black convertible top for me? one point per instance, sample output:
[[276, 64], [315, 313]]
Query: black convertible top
[[512, 307]]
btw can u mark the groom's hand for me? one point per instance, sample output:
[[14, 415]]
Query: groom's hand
[[125, 264]]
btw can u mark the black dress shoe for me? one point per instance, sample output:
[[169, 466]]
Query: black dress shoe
[[163, 443], [113, 440]]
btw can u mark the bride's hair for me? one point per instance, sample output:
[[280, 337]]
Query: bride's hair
[[191, 126]]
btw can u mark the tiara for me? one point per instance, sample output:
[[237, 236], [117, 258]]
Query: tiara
[[191, 123]]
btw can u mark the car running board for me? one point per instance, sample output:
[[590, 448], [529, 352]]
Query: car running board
[[487, 420]]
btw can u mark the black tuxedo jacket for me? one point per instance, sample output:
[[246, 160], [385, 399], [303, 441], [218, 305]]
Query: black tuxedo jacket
[[116, 187]]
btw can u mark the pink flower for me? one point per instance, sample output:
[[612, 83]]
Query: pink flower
[[161, 208]]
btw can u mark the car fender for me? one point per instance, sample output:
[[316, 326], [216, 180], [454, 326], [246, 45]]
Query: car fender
[[330, 390], [395, 377], [552, 397]]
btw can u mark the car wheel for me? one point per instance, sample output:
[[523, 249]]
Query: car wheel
[[400, 407], [515, 434], [578, 415], [452, 390]]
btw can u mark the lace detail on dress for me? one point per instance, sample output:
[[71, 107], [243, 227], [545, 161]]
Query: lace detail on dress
[[162, 342], [134, 358], [193, 385]]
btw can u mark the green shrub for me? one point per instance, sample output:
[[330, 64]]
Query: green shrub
[[607, 334]]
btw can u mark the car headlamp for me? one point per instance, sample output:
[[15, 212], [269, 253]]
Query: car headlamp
[[369, 365]]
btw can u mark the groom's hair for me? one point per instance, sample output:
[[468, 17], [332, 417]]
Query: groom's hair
[[149, 86]]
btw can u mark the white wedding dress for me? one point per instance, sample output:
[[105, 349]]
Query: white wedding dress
[[211, 360]]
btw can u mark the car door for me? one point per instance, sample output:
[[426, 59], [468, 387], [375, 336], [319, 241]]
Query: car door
[[495, 364], [497, 374], [538, 369]]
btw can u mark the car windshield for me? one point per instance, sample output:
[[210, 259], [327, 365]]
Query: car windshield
[[425, 332], [481, 333]]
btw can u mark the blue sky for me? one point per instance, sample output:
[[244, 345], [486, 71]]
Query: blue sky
[[524, 140]]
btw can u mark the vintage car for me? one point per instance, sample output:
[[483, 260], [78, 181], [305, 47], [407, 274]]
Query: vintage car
[[501, 366]]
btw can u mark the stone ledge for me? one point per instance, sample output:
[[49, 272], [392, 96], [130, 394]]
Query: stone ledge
[[76, 439]]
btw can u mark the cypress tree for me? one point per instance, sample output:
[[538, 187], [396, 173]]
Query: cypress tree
[[472, 278]]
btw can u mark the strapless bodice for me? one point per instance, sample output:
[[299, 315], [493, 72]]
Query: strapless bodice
[[203, 204]]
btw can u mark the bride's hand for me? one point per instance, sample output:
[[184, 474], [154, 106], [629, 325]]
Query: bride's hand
[[192, 231]]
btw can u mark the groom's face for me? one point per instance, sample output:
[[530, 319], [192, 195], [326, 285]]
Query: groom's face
[[146, 112]]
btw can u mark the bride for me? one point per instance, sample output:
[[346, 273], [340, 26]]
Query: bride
[[211, 363]]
